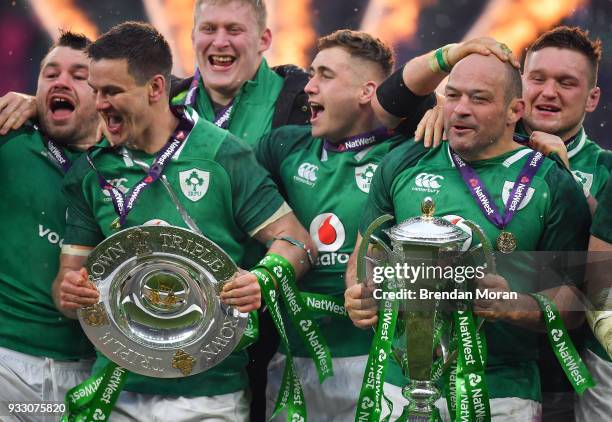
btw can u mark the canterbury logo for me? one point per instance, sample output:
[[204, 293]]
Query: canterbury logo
[[308, 172], [428, 181]]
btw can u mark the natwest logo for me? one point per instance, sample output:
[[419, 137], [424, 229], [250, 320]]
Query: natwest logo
[[328, 233], [307, 173]]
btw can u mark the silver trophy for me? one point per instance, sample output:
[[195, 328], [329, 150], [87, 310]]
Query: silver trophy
[[159, 312], [425, 242]]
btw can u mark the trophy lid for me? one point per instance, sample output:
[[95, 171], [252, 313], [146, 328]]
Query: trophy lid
[[427, 229]]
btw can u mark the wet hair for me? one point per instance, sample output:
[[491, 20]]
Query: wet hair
[[72, 40], [258, 6], [145, 49], [362, 45], [572, 38]]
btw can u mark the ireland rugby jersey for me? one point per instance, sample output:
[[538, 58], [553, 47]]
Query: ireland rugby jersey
[[552, 204], [33, 218], [602, 229], [219, 183], [327, 190], [602, 222], [590, 164], [249, 116]]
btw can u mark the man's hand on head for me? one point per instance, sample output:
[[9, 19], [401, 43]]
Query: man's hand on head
[[15, 110], [482, 45]]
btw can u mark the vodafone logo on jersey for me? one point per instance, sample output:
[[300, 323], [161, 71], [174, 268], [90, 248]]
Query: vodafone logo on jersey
[[328, 232]]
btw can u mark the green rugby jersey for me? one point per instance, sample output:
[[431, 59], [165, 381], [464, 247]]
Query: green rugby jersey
[[589, 163], [221, 186], [326, 190], [33, 215], [602, 229], [602, 221], [253, 106], [553, 203]]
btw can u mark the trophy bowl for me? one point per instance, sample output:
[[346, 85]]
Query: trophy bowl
[[159, 312]]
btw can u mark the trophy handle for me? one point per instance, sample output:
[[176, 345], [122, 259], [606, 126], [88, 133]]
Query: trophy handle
[[365, 242], [487, 248]]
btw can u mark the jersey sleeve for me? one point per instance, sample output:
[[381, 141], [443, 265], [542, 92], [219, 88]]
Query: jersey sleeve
[[255, 197], [81, 226], [566, 228], [568, 208], [602, 221]]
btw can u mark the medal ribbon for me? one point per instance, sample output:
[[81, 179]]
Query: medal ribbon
[[299, 313], [290, 394], [482, 196], [369, 404], [95, 397], [123, 204], [222, 118], [562, 345], [58, 154], [358, 142], [472, 402]]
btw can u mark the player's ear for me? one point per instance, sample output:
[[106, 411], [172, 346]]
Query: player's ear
[[592, 99], [368, 90], [157, 88], [515, 111]]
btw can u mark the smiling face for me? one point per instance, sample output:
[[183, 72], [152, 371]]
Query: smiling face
[[334, 92], [557, 91], [121, 101], [229, 46], [476, 112], [64, 100]]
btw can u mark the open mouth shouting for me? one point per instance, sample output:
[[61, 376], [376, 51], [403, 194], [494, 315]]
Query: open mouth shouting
[[61, 106], [315, 111], [221, 62], [114, 123]]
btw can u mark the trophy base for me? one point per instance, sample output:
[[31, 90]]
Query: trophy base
[[421, 396]]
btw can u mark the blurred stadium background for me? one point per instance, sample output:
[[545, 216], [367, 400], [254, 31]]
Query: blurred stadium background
[[411, 26]]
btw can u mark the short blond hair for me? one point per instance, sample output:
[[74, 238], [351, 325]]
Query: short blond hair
[[258, 6]]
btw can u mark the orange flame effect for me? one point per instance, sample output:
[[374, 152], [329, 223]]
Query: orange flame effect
[[293, 34], [62, 14], [519, 22], [174, 19], [393, 20]]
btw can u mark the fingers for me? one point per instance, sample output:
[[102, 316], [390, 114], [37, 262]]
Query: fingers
[[366, 323], [8, 117], [420, 130], [76, 290], [438, 127], [243, 293], [15, 110]]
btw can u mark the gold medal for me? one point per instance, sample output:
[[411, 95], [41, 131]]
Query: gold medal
[[506, 242], [115, 225]]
